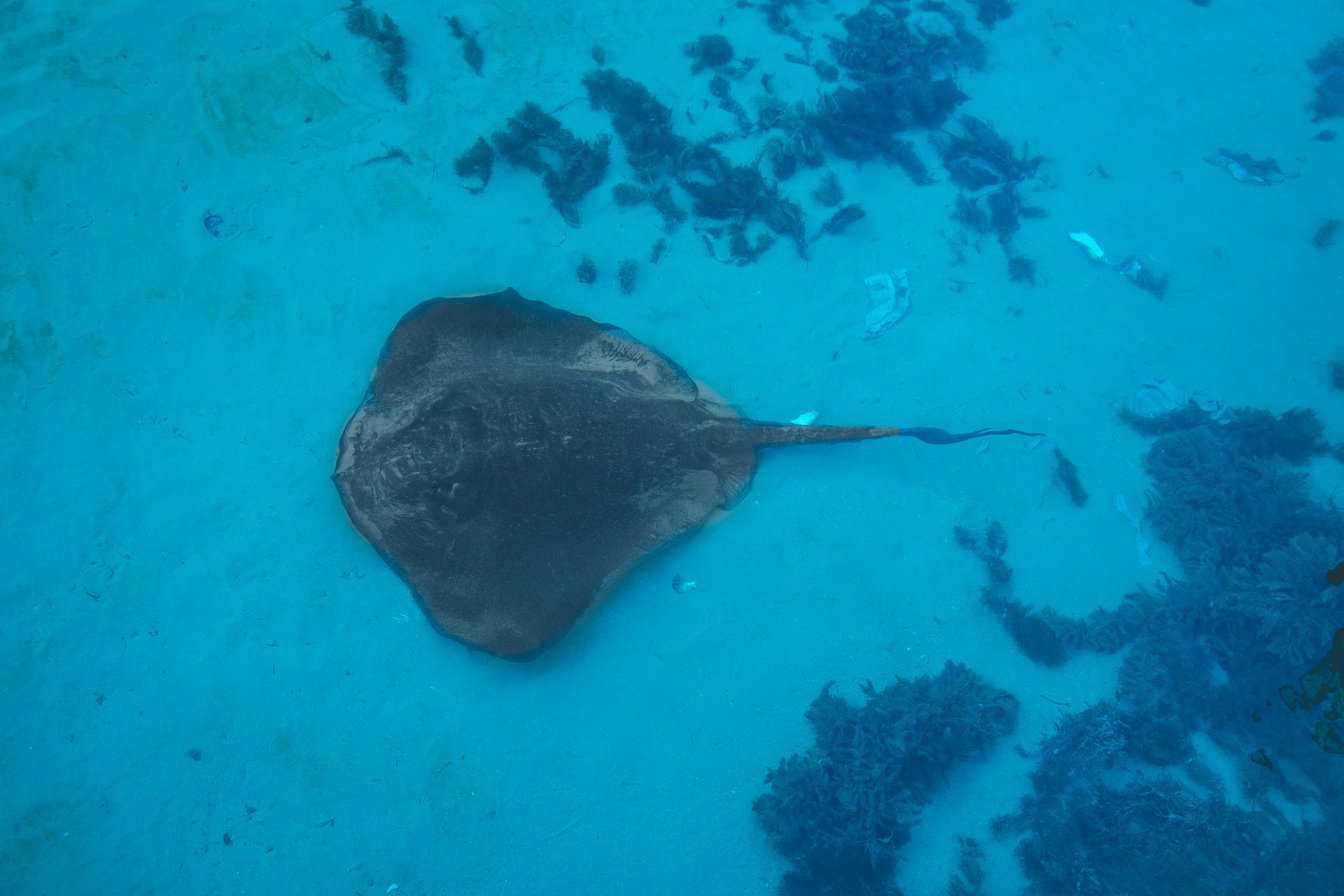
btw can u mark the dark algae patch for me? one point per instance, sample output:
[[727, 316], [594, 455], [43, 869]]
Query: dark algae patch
[[386, 36], [888, 96], [1240, 653], [840, 812]]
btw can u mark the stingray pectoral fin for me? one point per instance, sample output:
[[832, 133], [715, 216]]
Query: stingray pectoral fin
[[942, 437]]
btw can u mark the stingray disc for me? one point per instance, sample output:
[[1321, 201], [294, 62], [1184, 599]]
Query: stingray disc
[[512, 462]]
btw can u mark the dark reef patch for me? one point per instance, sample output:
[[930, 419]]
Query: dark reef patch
[[1121, 796], [841, 812]]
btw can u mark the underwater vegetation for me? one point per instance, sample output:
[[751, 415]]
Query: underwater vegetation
[[627, 275], [568, 166], [889, 79], [472, 52], [988, 12], [476, 165], [1323, 684], [1154, 834], [902, 76], [841, 812], [384, 35], [1328, 67], [1253, 546], [642, 123], [1121, 802], [708, 51], [970, 877], [1100, 822], [1066, 474], [1046, 636], [586, 272], [1324, 236], [990, 174]]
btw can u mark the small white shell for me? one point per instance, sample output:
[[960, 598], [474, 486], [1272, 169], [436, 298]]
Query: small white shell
[[805, 419], [1085, 240]]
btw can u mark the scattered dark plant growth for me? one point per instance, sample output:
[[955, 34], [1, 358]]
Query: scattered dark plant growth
[[841, 812], [709, 51], [569, 167], [1066, 474], [471, 47], [1328, 67], [475, 165], [1325, 235], [385, 35], [627, 275], [586, 272]]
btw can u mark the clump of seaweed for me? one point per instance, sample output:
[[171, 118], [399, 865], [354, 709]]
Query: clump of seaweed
[[586, 272], [720, 89], [990, 173], [841, 812], [657, 250], [979, 157], [861, 123], [386, 36], [708, 51], [989, 549], [642, 123], [902, 80], [1328, 66], [894, 79], [1021, 269], [569, 167], [472, 51], [1325, 235], [1042, 638], [475, 165], [989, 12], [1047, 636], [739, 195], [828, 193], [840, 221], [1066, 474], [627, 275], [970, 877], [880, 42]]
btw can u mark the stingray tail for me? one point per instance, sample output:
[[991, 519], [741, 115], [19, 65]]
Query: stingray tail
[[943, 437], [792, 434]]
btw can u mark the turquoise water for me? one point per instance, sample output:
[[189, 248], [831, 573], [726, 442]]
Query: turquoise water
[[212, 220]]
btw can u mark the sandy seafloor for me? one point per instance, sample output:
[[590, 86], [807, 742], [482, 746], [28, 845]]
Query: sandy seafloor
[[172, 400]]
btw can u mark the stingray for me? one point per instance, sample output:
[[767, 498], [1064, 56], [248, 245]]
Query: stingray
[[512, 462]]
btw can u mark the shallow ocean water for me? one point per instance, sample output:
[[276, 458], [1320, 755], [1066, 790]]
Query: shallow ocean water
[[212, 219]]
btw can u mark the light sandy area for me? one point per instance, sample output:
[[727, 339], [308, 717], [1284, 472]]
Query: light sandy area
[[181, 576]]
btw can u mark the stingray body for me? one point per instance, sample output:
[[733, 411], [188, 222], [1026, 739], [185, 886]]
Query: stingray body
[[513, 462]]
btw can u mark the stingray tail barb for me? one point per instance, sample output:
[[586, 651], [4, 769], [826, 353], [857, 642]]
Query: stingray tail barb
[[793, 434]]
